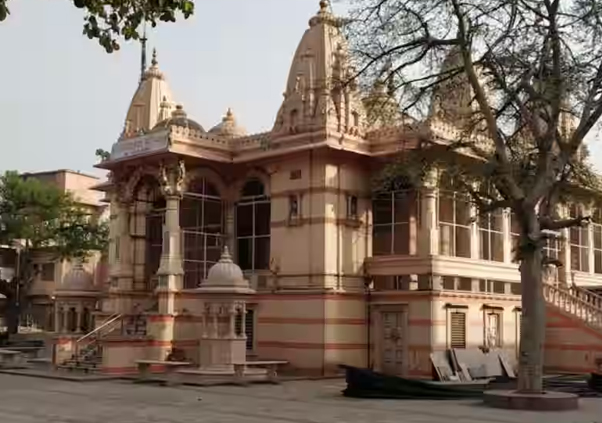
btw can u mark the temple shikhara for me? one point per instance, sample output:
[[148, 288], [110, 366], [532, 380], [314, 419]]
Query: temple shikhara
[[229, 247]]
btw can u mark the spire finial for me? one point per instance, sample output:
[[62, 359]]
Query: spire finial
[[154, 61], [324, 5], [143, 53]]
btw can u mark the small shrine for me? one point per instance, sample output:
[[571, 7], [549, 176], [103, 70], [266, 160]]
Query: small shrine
[[224, 294]]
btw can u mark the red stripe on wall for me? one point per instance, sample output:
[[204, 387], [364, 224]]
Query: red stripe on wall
[[310, 345]]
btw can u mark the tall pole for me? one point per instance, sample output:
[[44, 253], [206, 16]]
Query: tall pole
[[143, 41]]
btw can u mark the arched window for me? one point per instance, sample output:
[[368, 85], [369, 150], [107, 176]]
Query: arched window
[[253, 227], [201, 221], [395, 222]]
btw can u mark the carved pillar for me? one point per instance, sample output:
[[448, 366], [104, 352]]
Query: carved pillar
[[171, 269], [429, 237]]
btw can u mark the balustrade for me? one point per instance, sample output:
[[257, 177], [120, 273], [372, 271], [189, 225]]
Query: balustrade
[[576, 301]]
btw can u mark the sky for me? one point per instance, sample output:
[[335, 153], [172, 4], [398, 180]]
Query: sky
[[63, 96]]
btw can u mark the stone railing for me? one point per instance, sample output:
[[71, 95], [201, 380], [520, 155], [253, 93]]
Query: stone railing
[[586, 295], [574, 302]]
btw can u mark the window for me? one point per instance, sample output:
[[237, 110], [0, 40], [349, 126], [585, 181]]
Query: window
[[457, 329], [351, 207], [578, 238], [514, 236], [293, 207], [47, 272], [201, 221], [491, 236], [597, 241], [395, 216], [493, 329], [454, 222], [253, 221]]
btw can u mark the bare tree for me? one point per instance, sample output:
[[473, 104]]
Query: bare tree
[[523, 79]]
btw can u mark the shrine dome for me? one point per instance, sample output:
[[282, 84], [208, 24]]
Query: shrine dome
[[228, 127], [225, 274], [78, 279], [178, 118]]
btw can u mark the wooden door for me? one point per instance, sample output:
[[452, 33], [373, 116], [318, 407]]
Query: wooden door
[[394, 342]]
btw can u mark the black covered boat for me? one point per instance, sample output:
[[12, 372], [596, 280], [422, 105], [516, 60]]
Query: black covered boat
[[364, 383]]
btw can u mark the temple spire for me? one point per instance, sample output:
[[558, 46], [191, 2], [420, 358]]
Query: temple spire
[[143, 53]]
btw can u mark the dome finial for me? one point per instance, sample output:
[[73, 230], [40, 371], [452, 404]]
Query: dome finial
[[154, 61], [226, 257], [324, 6]]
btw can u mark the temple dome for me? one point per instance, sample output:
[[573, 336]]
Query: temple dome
[[78, 279], [178, 118], [317, 94], [228, 127], [225, 274]]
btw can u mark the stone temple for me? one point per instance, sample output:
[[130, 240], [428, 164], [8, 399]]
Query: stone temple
[[228, 246]]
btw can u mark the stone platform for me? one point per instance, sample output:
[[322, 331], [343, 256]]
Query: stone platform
[[548, 401]]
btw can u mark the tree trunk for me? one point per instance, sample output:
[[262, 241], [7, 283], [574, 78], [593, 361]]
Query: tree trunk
[[533, 323]]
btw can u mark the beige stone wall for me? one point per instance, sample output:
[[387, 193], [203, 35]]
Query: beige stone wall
[[571, 346]]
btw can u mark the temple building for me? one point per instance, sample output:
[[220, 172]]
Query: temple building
[[336, 273]]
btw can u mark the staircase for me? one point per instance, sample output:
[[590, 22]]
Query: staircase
[[577, 302], [573, 330], [87, 350]]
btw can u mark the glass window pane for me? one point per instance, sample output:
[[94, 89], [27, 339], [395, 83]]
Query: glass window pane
[[383, 210], [401, 242], [446, 209], [212, 216], [382, 240], [462, 211], [245, 253], [244, 220], [262, 219], [262, 253], [462, 242]]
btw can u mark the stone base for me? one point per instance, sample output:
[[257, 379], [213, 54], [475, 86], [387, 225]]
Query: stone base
[[548, 401]]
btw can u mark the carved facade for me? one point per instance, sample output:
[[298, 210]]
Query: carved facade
[[340, 275]]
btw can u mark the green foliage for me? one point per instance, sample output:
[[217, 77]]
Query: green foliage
[[38, 215], [103, 154], [108, 20]]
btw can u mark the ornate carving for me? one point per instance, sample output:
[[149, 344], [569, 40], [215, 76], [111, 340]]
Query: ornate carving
[[171, 179]]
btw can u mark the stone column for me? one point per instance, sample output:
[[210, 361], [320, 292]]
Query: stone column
[[79, 312], [171, 268], [429, 232]]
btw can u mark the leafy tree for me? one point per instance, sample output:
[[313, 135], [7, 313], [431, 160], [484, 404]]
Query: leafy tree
[[518, 83], [37, 216], [107, 20]]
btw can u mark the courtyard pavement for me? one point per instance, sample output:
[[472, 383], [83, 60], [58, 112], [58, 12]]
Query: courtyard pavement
[[33, 400]]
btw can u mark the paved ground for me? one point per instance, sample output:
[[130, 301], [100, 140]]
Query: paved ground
[[33, 400]]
